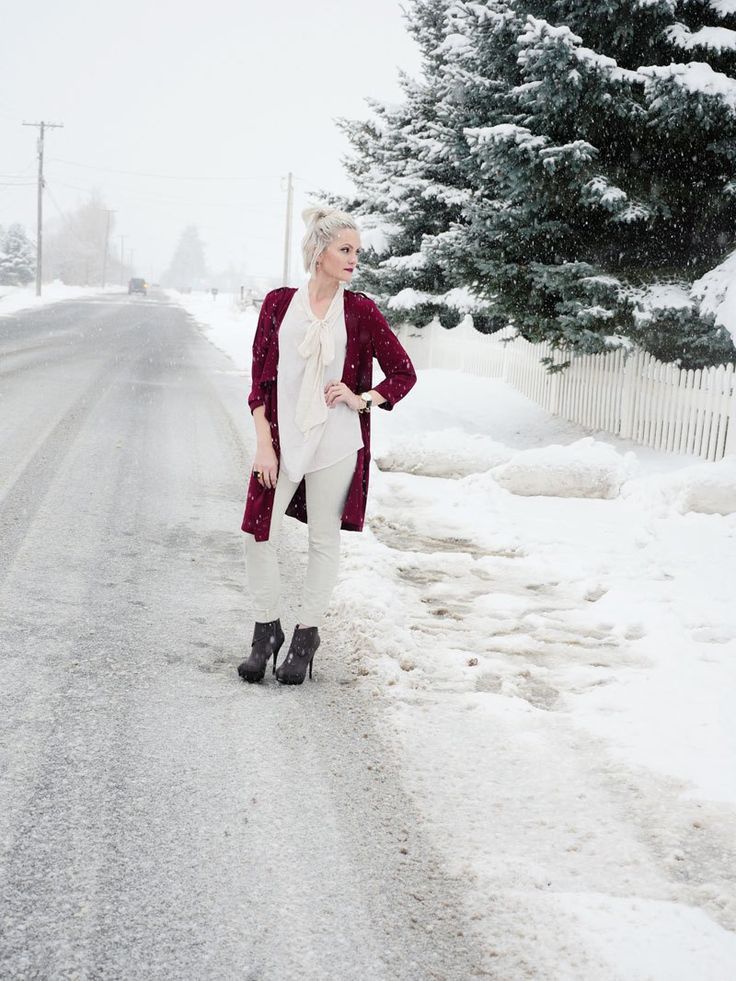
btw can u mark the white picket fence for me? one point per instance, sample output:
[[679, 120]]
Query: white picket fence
[[626, 393]]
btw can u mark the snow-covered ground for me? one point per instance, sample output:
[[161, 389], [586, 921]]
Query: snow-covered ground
[[548, 615], [15, 298]]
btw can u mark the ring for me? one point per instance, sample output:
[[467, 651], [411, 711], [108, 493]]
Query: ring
[[257, 474]]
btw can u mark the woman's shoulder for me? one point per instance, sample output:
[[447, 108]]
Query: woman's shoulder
[[281, 291], [276, 301], [361, 301]]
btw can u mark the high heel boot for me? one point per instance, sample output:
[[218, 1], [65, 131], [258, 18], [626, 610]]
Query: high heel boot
[[293, 669], [267, 641]]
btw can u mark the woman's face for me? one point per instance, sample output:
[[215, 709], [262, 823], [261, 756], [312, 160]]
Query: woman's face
[[340, 257]]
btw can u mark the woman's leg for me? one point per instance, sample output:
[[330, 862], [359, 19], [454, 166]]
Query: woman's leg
[[264, 580], [327, 491]]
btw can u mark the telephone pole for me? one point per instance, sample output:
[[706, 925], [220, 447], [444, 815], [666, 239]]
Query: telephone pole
[[287, 240], [42, 127], [110, 211]]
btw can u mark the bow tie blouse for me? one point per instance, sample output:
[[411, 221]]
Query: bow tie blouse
[[312, 353]]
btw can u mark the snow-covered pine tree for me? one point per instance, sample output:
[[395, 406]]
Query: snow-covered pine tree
[[478, 70], [410, 185], [17, 257], [615, 173]]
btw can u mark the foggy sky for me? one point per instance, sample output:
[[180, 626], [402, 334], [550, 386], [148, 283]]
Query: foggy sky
[[194, 94]]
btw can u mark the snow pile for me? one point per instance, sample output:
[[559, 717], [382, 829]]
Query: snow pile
[[705, 488], [586, 468], [709, 488], [15, 298], [444, 453]]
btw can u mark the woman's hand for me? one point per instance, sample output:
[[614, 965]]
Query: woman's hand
[[266, 466], [336, 391]]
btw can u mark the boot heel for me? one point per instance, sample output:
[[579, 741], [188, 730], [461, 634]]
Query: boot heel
[[310, 667]]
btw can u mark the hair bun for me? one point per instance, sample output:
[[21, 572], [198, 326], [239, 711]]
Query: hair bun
[[316, 213]]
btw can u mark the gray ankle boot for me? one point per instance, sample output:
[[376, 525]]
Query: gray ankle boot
[[293, 669], [266, 643]]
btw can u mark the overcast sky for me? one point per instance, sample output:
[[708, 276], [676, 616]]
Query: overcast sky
[[199, 92]]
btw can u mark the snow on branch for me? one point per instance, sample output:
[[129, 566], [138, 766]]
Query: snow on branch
[[713, 38], [376, 234], [540, 34], [716, 293], [446, 194], [407, 298], [504, 133], [461, 299], [414, 261], [601, 192], [555, 157], [464, 300], [634, 211], [453, 44], [696, 77]]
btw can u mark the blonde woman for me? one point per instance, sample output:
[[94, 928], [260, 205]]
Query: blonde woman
[[311, 399]]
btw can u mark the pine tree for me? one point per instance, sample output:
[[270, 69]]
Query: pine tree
[[17, 257], [188, 267], [411, 186], [608, 174]]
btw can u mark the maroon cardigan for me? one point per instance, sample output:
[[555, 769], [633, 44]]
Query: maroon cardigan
[[368, 336]]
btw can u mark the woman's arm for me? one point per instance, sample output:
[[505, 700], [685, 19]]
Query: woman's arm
[[260, 349], [394, 361], [265, 463], [263, 427]]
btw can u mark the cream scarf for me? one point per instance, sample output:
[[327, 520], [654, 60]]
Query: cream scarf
[[318, 348]]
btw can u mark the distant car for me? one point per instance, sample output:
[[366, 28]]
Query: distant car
[[137, 286]]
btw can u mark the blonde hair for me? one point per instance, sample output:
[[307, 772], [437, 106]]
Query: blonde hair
[[323, 223]]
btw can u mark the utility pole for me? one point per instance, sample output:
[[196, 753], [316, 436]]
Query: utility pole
[[110, 211], [287, 240], [122, 271], [42, 127]]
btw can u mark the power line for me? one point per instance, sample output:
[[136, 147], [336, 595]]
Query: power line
[[262, 205], [167, 177]]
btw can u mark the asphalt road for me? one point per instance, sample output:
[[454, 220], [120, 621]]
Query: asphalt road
[[159, 818]]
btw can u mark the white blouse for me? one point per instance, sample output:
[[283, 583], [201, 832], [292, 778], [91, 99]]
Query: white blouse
[[338, 434]]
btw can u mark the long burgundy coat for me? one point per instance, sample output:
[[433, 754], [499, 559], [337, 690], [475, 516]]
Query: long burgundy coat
[[368, 336]]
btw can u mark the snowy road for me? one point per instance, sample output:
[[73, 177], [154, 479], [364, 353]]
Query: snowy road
[[158, 819]]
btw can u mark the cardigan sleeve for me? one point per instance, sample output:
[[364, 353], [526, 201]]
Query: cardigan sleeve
[[393, 359], [260, 349]]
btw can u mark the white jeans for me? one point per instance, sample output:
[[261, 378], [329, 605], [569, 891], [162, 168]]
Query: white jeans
[[327, 491]]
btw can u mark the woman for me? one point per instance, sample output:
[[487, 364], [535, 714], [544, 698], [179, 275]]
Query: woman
[[311, 399]]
